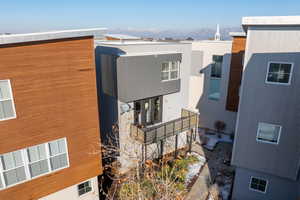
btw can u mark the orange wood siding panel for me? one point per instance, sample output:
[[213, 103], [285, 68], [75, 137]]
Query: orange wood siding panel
[[236, 70], [54, 89]]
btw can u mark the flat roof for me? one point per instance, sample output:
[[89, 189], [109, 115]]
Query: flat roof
[[138, 42], [122, 36], [271, 20], [51, 35], [237, 34], [150, 53]]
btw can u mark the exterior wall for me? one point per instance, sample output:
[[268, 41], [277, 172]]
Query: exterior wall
[[145, 77], [172, 103], [210, 110], [54, 91], [270, 103], [277, 188], [236, 70], [71, 193]]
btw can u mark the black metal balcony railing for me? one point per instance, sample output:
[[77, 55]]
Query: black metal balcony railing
[[149, 135]]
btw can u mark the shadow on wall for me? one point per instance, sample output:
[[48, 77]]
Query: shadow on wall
[[212, 106]]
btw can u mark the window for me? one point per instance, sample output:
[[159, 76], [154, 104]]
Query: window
[[259, 185], [38, 161], [269, 133], [215, 78], [13, 167], [7, 109], [58, 154], [26, 164], [279, 73], [84, 188], [170, 70]]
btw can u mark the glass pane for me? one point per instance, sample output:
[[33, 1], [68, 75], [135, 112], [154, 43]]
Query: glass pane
[[268, 132], [165, 67], [272, 77], [165, 76], [37, 153], [1, 184], [286, 68], [62, 146], [38, 168], [81, 186], [54, 148], [174, 65], [59, 161], [214, 88], [4, 90], [216, 70], [283, 78], [12, 160], [174, 75], [217, 58], [14, 176], [274, 67], [6, 109]]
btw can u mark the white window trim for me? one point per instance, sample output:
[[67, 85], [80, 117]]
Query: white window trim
[[268, 142], [170, 70], [12, 100], [92, 190], [26, 164], [267, 183], [276, 83]]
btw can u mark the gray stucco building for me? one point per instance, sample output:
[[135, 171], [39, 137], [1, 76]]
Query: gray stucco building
[[266, 149]]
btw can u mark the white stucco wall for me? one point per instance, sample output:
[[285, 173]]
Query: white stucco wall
[[211, 110], [71, 193]]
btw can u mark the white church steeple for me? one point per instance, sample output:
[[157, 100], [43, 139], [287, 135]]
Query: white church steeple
[[218, 35]]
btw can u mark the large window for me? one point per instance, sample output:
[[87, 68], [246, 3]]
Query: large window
[[279, 73], [7, 108], [84, 188], [26, 164], [170, 70], [258, 184], [215, 78], [269, 133]]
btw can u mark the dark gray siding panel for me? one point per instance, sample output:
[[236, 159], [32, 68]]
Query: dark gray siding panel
[[277, 188], [269, 103], [139, 77]]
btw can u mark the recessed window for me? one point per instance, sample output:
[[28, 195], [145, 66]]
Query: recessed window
[[258, 184], [269, 133], [7, 108], [170, 70], [25, 164], [279, 73], [215, 78], [84, 188]]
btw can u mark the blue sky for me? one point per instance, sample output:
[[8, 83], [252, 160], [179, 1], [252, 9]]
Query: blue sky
[[40, 15]]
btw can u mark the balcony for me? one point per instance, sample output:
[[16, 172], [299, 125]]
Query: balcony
[[153, 134]]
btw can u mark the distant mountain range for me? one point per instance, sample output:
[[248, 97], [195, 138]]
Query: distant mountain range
[[197, 34]]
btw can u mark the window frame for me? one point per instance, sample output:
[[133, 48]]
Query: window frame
[[10, 99], [215, 78], [170, 70], [25, 158], [277, 83], [91, 185], [268, 142], [255, 190]]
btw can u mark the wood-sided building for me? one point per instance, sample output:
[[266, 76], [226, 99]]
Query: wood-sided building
[[49, 125]]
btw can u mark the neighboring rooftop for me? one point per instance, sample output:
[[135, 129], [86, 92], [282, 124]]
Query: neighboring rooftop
[[121, 37], [51, 35], [271, 20], [137, 42]]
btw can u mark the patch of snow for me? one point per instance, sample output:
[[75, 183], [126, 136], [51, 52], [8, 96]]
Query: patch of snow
[[213, 140], [194, 169]]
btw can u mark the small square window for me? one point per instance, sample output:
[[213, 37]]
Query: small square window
[[269, 133], [279, 73], [84, 188], [7, 109], [170, 70], [259, 185]]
